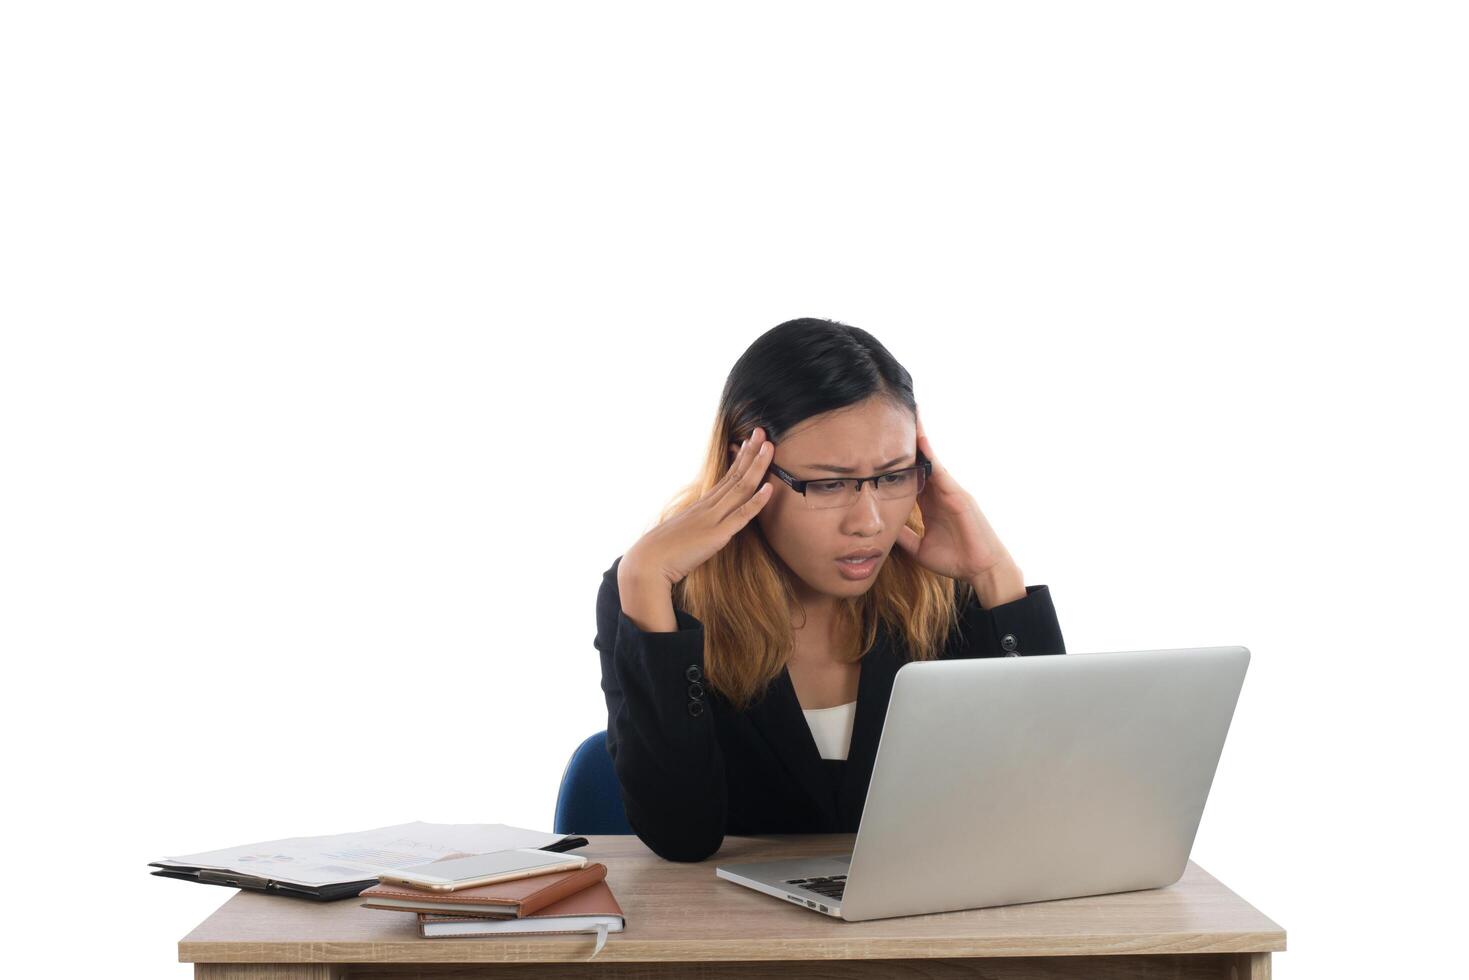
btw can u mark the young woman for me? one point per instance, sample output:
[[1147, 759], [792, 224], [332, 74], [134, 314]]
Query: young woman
[[749, 640]]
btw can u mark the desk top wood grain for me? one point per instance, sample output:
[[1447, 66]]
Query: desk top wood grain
[[679, 911]]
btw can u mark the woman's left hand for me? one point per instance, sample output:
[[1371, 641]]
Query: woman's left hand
[[957, 541]]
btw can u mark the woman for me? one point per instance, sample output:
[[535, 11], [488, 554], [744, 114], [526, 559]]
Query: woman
[[749, 640]]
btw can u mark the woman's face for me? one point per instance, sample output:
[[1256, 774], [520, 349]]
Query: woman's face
[[871, 437]]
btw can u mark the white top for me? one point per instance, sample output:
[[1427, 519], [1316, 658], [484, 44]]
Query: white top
[[832, 728]]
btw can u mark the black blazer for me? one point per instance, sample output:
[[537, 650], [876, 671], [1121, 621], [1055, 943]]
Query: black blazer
[[692, 768]]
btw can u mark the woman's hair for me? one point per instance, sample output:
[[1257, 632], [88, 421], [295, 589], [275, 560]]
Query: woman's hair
[[743, 594]]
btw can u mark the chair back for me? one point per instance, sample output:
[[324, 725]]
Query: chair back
[[590, 799]]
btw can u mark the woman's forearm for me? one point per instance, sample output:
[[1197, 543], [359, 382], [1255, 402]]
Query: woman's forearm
[[998, 585], [647, 600]]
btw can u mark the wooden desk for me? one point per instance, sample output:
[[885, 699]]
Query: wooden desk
[[684, 921]]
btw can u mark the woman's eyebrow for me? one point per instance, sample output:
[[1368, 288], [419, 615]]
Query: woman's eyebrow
[[848, 469]]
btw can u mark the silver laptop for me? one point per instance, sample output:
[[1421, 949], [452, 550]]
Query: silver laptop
[[1025, 779]]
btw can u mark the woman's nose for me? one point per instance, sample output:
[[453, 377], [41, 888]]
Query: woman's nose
[[865, 515]]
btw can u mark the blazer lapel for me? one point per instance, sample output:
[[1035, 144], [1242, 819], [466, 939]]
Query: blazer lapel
[[874, 689], [779, 719]]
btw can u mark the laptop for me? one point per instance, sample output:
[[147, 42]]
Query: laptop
[[1007, 780]]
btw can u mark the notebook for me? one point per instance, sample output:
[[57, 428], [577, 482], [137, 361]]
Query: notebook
[[594, 909], [512, 899]]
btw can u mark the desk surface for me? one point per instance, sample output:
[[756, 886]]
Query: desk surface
[[682, 912]]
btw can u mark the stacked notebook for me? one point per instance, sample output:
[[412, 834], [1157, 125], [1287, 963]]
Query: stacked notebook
[[578, 900]]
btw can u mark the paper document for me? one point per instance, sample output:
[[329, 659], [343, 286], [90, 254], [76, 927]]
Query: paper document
[[342, 858]]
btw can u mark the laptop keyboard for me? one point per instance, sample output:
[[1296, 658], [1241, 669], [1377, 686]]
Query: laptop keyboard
[[831, 886]]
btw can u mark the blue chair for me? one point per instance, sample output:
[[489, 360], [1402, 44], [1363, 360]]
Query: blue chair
[[590, 799]]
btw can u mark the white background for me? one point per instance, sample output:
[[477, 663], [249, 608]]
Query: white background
[[346, 345]]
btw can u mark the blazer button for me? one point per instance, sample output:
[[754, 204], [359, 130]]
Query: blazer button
[[696, 690], [1008, 643], [693, 672], [696, 708]]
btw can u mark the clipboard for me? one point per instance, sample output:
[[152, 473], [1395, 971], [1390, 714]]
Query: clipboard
[[315, 893]]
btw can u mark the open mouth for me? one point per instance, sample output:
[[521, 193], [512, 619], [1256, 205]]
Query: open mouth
[[859, 567]]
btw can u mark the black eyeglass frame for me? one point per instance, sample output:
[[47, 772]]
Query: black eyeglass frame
[[800, 485]]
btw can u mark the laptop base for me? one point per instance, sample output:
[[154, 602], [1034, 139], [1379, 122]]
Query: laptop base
[[780, 878]]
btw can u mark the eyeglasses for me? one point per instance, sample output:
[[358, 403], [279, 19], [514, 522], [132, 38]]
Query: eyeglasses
[[823, 494]]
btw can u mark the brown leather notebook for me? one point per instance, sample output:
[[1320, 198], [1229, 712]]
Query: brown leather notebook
[[593, 909], [504, 899]]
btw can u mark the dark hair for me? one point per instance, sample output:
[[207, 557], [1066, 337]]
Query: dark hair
[[804, 368]]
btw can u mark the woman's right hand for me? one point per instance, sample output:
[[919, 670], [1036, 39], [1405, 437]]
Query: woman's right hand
[[685, 541]]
